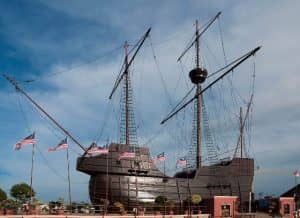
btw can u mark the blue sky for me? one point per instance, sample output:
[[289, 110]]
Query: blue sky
[[39, 38]]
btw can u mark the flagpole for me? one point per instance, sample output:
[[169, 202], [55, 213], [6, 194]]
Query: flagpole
[[164, 187], [296, 187], [69, 179], [106, 185], [31, 174], [189, 195]]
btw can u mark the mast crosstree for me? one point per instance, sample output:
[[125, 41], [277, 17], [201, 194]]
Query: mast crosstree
[[128, 132], [198, 76]]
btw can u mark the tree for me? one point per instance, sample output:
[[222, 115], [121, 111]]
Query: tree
[[22, 192], [192, 200], [196, 199], [119, 207], [160, 200], [3, 195]]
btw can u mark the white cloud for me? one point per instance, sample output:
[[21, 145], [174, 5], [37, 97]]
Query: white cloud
[[78, 99]]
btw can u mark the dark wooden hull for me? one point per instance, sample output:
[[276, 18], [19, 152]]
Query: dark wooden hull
[[139, 180]]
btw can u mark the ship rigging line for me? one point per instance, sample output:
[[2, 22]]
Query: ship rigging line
[[18, 88], [37, 147], [222, 41], [200, 34], [183, 99], [51, 127], [245, 57], [160, 73], [49, 166], [92, 60], [221, 69], [120, 77]]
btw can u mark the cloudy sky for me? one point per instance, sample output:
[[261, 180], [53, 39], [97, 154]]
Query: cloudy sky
[[73, 51]]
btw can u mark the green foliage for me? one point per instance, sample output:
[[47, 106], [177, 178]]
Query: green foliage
[[119, 206], [196, 199], [21, 192], [37, 202], [3, 195], [9, 204], [53, 204], [160, 200]]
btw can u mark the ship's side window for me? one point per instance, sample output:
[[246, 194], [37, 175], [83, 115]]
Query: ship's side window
[[136, 163], [225, 210], [286, 209], [118, 162]]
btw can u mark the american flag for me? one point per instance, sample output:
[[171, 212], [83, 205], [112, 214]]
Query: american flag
[[98, 150], [126, 154], [62, 145], [181, 162], [296, 173], [29, 140], [159, 157]]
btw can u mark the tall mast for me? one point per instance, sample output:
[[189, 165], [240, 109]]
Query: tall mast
[[128, 129], [198, 102], [126, 95]]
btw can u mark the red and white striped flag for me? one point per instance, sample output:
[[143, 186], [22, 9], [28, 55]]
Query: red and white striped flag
[[98, 150], [160, 157], [126, 154], [296, 173], [62, 145], [181, 162], [29, 140]]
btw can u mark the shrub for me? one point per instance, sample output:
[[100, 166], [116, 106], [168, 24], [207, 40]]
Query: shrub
[[3, 195]]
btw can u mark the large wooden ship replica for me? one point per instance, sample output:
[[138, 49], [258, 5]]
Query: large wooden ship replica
[[136, 179]]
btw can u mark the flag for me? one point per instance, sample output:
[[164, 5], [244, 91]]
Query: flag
[[160, 157], [51, 149], [126, 154], [97, 150], [62, 145], [296, 173], [29, 140], [181, 162]]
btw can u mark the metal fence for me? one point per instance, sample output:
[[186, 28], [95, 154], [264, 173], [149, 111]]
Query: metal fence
[[101, 210]]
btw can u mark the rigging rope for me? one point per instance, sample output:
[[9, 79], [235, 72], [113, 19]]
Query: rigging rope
[[183, 72], [50, 167], [95, 59], [106, 118], [23, 113], [160, 73], [50, 126], [37, 147], [221, 38]]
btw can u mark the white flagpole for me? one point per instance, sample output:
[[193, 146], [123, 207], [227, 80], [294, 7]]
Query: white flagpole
[[106, 186], [296, 174], [69, 179], [164, 187], [31, 174]]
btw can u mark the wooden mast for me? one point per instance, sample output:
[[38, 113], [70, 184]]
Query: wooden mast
[[198, 102], [126, 95]]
